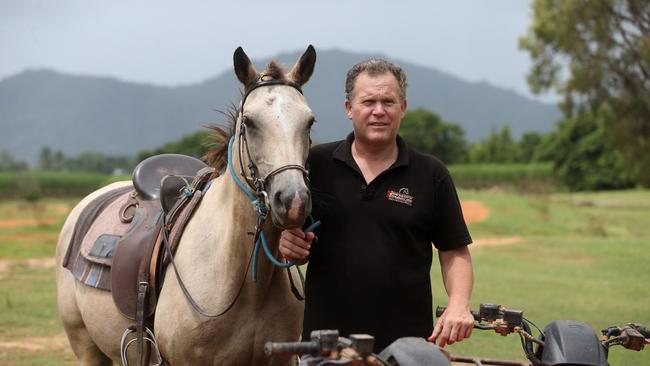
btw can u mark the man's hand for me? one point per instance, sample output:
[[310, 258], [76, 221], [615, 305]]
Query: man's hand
[[295, 244], [455, 324]]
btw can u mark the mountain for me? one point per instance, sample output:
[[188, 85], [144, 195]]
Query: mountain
[[85, 113]]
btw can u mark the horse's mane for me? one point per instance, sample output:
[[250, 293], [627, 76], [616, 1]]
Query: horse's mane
[[274, 71], [217, 154]]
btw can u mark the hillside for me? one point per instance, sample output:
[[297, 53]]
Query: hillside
[[86, 113]]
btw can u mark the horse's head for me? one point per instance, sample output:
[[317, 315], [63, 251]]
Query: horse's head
[[273, 133]]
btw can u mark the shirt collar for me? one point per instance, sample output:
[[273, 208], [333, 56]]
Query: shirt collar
[[343, 151]]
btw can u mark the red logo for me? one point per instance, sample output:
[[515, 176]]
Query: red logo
[[402, 196]]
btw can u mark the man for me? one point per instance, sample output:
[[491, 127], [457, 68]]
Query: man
[[381, 205]]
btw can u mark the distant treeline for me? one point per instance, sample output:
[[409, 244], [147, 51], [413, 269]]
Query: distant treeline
[[33, 185], [576, 155]]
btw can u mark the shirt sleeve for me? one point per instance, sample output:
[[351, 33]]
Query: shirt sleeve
[[449, 230]]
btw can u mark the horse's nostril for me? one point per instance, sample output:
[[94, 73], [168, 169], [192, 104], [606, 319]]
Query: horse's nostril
[[277, 198]]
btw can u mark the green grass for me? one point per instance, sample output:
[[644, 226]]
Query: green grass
[[581, 256], [28, 316], [30, 229]]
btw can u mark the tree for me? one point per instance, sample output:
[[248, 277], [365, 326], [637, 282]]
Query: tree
[[45, 159], [100, 163], [528, 145], [597, 52], [427, 132], [8, 163], [195, 144], [583, 157], [498, 147]]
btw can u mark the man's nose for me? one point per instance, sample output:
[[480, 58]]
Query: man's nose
[[379, 109]]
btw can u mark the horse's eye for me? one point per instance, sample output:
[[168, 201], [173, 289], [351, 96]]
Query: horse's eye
[[248, 122]]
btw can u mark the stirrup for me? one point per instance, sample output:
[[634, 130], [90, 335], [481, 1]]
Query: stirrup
[[151, 339]]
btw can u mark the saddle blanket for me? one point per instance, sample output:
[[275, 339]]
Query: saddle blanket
[[91, 253]]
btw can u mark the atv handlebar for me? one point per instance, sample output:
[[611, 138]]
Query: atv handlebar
[[499, 318], [291, 348], [631, 336]]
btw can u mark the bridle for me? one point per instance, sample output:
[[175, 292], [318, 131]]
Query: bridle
[[253, 180]]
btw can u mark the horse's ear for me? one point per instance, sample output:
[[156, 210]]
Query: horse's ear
[[302, 70], [244, 68]]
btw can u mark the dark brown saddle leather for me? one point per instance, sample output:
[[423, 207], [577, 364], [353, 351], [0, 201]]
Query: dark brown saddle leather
[[147, 176], [166, 187]]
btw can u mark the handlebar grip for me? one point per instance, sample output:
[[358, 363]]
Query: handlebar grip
[[291, 348], [441, 309]]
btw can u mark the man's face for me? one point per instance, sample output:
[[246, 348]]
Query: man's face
[[376, 108]]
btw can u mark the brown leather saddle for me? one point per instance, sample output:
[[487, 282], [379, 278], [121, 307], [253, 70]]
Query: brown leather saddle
[[164, 186]]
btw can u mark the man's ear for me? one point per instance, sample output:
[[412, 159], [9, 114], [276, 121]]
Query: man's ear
[[348, 108], [244, 68]]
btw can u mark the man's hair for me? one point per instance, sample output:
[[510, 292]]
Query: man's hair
[[374, 67]]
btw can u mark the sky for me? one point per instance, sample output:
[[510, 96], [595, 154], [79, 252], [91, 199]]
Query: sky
[[176, 43]]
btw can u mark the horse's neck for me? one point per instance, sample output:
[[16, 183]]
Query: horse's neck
[[217, 243]]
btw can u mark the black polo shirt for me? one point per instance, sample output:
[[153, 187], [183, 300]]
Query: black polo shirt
[[369, 270]]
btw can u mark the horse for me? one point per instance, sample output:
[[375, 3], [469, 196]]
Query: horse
[[273, 125]]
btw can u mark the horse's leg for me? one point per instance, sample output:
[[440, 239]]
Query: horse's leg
[[82, 344], [80, 340], [84, 348]]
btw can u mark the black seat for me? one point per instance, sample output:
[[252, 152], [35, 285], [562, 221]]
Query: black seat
[[149, 173]]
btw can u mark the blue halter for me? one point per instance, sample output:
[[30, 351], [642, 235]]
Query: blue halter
[[260, 205]]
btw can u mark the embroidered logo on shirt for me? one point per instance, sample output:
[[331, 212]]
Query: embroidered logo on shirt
[[402, 196]]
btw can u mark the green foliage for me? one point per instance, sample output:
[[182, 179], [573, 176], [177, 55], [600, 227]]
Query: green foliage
[[538, 177], [95, 162], [498, 147], [597, 52], [528, 146], [195, 145], [50, 160], [8, 163], [427, 132], [100, 163], [583, 157], [34, 185]]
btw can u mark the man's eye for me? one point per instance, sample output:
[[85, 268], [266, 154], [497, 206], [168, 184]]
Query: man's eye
[[368, 103]]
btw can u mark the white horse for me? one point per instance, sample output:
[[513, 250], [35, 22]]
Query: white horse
[[215, 249]]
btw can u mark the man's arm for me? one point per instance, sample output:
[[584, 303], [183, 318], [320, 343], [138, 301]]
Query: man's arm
[[456, 323]]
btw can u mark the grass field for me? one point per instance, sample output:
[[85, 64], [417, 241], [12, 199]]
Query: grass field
[[570, 256], [556, 256]]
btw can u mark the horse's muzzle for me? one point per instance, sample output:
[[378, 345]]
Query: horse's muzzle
[[290, 207]]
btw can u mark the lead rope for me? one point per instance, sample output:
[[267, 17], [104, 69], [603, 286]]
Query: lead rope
[[261, 205]]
